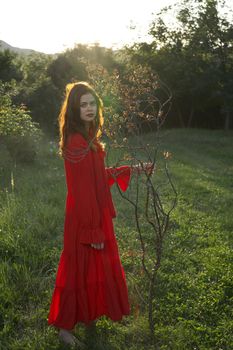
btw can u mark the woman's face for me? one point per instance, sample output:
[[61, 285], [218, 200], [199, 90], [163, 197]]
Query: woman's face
[[88, 107]]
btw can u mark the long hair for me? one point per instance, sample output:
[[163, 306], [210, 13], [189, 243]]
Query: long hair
[[69, 118]]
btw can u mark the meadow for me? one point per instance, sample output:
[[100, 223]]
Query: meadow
[[194, 299]]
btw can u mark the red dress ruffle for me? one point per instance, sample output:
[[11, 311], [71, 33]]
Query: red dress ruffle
[[89, 282]]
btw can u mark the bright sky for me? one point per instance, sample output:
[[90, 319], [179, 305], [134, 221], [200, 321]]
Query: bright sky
[[53, 25]]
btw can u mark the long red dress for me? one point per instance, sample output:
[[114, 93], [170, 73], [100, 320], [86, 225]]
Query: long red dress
[[90, 282]]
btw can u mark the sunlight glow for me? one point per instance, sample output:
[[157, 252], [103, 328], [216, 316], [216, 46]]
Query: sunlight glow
[[51, 26]]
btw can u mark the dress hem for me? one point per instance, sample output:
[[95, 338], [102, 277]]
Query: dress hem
[[56, 325]]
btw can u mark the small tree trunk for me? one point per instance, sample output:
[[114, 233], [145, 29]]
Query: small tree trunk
[[150, 311]]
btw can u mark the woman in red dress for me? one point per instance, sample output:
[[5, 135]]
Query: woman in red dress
[[90, 280]]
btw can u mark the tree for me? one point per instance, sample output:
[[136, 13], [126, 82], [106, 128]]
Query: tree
[[8, 66], [65, 69], [194, 56], [18, 132], [36, 90]]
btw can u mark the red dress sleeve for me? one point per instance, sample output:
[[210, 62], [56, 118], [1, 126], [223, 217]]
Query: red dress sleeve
[[121, 175], [81, 185]]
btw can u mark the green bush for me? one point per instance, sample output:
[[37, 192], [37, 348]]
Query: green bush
[[18, 133]]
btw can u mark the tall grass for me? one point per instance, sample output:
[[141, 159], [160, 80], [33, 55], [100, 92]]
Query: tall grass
[[194, 299]]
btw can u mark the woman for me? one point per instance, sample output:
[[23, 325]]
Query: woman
[[90, 280]]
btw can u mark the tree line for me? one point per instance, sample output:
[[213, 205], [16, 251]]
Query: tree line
[[192, 56]]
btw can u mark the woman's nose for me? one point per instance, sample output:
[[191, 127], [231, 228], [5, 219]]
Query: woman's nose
[[89, 106]]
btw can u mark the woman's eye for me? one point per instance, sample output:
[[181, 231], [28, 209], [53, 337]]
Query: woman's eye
[[84, 104]]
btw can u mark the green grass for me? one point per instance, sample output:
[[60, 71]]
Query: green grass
[[194, 297]]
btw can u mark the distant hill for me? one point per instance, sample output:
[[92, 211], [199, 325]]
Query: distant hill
[[5, 46]]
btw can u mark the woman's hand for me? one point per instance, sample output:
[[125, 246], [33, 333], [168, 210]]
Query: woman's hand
[[147, 168], [97, 245]]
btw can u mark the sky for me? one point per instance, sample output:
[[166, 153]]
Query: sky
[[52, 26]]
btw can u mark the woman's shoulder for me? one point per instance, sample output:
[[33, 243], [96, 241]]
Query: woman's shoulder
[[76, 148]]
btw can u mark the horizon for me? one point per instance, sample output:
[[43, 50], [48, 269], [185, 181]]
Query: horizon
[[56, 28]]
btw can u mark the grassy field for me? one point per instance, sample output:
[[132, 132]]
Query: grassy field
[[194, 298]]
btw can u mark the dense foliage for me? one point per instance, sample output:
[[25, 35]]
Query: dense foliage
[[18, 133], [193, 54]]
